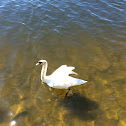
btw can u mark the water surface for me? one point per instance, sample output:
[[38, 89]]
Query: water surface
[[89, 35]]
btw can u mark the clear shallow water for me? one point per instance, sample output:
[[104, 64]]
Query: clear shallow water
[[89, 35]]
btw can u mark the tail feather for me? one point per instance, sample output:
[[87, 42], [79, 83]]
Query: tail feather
[[79, 82]]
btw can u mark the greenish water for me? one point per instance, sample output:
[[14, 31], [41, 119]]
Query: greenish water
[[89, 35]]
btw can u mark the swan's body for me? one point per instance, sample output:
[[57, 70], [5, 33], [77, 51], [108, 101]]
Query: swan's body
[[60, 78]]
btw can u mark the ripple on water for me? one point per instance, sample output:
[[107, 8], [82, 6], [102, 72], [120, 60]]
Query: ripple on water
[[86, 34]]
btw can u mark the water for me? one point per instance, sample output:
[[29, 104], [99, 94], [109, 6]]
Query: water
[[89, 35]]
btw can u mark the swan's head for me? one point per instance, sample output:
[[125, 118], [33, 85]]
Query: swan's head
[[41, 62]]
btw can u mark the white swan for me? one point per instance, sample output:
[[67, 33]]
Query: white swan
[[60, 78]]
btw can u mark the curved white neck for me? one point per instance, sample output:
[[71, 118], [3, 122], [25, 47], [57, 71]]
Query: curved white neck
[[44, 70]]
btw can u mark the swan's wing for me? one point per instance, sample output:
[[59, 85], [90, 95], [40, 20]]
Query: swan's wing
[[64, 70]]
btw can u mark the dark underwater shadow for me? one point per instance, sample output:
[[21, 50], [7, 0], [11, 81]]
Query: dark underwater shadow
[[81, 107]]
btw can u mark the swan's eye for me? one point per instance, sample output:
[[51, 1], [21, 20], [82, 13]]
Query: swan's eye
[[40, 62]]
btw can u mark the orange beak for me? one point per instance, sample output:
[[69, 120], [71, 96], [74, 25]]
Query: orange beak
[[37, 64]]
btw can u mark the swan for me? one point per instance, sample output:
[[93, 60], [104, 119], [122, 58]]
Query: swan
[[60, 78]]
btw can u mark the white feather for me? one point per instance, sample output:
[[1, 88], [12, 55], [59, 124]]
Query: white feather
[[60, 78], [64, 70]]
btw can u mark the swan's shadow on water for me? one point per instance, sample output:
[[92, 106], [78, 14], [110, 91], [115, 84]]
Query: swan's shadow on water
[[81, 107]]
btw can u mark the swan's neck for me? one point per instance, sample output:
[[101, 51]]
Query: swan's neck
[[44, 70]]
